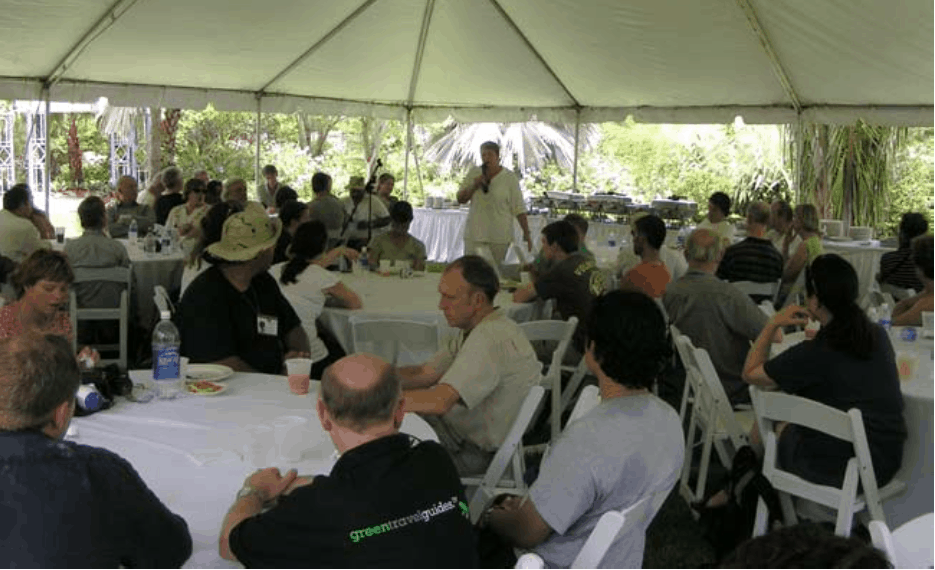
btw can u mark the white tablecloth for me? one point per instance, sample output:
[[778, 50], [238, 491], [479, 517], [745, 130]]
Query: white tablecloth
[[864, 258], [189, 451], [918, 461], [442, 231], [414, 299]]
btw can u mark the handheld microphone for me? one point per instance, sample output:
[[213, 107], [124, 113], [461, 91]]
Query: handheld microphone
[[486, 186]]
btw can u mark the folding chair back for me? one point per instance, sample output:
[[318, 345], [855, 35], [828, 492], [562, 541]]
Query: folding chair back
[[909, 546], [395, 340], [710, 420], [120, 313], [614, 524], [561, 333], [754, 289], [509, 455], [772, 408]]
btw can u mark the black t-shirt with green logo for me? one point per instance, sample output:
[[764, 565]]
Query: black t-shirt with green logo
[[391, 503]]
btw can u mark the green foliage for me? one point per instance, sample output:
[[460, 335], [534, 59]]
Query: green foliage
[[911, 190]]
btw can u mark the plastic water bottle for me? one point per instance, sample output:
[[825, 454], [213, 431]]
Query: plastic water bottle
[[612, 240], [362, 260], [134, 232], [885, 316], [166, 361]]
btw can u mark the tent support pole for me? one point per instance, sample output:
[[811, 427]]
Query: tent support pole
[[408, 150], [46, 174], [256, 134], [574, 173], [778, 69]]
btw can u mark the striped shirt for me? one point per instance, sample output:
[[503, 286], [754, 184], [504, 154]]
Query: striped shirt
[[753, 259], [897, 268]]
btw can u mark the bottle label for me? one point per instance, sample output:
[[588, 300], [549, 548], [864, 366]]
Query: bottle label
[[166, 363]]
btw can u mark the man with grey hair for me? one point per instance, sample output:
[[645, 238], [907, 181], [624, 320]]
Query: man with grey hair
[[390, 501], [474, 386], [235, 190], [496, 199], [714, 314], [755, 258], [68, 505], [126, 209]]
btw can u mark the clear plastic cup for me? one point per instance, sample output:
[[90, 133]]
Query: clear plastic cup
[[290, 436], [259, 445], [298, 370]]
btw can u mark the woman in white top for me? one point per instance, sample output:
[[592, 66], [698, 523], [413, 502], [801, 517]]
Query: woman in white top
[[186, 217], [307, 285]]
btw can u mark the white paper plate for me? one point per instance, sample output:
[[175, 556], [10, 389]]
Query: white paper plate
[[839, 238], [212, 372]]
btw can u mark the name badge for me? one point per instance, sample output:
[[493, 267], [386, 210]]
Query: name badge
[[267, 325]]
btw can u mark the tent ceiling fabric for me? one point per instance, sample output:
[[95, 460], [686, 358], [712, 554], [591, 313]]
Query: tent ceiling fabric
[[484, 60]]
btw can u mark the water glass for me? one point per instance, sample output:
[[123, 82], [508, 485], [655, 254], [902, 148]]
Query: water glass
[[60, 234]]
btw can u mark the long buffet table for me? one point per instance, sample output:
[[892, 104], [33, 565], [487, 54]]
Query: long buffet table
[[442, 231]]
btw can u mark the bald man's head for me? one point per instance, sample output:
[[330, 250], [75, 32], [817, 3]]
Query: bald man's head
[[703, 248], [360, 391]]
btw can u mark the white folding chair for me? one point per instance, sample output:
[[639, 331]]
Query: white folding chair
[[588, 400], [561, 333], [394, 340], [577, 377], [718, 426], [121, 312], [772, 408], [909, 546], [752, 288], [509, 455], [614, 524], [898, 293]]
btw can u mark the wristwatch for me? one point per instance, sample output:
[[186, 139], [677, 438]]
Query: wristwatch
[[248, 490]]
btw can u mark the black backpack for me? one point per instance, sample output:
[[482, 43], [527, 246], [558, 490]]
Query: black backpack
[[726, 526]]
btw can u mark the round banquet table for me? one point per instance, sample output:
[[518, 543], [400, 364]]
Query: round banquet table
[[414, 299], [864, 256], [191, 451], [917, 467]]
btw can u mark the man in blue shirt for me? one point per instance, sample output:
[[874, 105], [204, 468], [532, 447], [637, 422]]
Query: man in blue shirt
[[63, 504]]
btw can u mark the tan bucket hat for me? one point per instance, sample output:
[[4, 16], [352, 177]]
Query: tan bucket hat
[[246, 234]]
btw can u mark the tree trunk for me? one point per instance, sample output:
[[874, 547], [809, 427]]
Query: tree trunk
[[154, 143], [170, 127]]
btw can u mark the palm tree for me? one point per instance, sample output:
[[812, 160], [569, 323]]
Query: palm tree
[[527, 145], [847, 170]]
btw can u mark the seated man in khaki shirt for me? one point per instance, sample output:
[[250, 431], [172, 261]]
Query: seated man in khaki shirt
[[472, 389]]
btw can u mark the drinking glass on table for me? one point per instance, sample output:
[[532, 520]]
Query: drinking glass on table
[[299, 370], [60, 234]]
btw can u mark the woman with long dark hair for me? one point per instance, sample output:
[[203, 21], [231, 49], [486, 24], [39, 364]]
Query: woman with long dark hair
[[849, 364], [307, 285]]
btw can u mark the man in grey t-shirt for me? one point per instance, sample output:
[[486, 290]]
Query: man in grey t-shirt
[[628, 447], [326, 208]]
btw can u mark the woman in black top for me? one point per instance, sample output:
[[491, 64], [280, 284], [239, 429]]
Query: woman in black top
[[849, 364]]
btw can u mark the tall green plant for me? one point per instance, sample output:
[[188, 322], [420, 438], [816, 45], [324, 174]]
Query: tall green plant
[[846, 171]]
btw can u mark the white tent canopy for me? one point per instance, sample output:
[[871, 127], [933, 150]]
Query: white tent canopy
[[770, 61]]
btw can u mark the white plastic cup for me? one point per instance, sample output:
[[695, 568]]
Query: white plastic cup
[[907, 363], [183, 368], [298, 370], [385, 265], [928, 324], [290, 436], [524, 277], [259, 445]]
